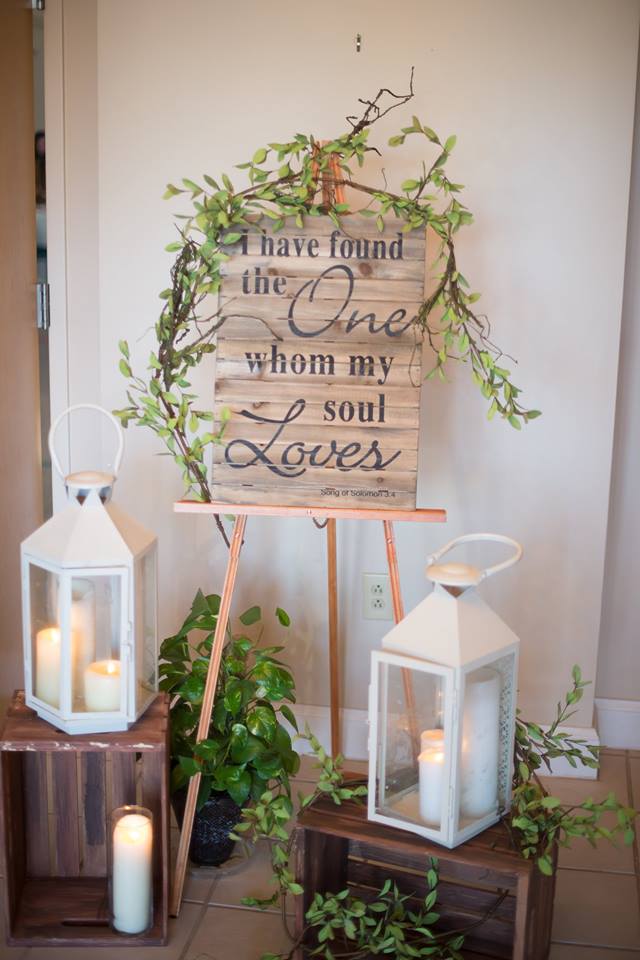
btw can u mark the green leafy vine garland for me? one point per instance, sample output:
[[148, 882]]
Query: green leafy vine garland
[[286, 181]]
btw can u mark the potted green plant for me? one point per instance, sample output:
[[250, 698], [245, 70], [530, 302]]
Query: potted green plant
[[248, 749]]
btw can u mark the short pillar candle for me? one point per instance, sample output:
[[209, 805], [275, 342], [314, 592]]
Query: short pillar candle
[[102, 686], [131, 869]]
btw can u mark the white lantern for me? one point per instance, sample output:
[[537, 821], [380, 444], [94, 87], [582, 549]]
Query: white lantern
[[89, 607], [442, 709]]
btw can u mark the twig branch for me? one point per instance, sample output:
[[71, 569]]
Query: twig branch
[[373, 110]]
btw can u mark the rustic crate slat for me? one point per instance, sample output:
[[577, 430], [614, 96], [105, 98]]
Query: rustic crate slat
[[123, 779], [94, 814], [37, 813], [66, 902], [12, 823], [64, 770], [483, 880]]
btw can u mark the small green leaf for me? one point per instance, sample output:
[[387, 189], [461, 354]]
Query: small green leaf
[[250, 616], [283, 617], [260, 155], [545, 865]]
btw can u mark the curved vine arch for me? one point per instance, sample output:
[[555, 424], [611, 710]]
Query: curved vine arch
[[285, 184]]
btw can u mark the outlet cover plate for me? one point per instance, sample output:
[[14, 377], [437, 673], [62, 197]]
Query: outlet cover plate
[[376, 597]]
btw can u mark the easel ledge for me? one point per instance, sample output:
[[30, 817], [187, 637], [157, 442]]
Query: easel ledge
[[332, 513]]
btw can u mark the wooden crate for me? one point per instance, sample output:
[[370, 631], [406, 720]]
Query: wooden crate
[[58, 792], [337, 847]]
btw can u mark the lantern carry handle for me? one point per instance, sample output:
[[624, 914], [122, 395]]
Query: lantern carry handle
[[479, 537], [85, 406]]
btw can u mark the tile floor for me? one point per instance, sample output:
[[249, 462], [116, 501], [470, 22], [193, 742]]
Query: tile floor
[[597, 912]]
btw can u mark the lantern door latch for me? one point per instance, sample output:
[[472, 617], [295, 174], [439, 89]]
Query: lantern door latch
[[43, 311]]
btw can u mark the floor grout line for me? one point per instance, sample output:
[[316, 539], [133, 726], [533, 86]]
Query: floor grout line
[[197, 922], [607, 870], [594, 946]]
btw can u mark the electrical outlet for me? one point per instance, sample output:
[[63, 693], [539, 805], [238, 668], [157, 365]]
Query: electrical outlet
[[376, 597]]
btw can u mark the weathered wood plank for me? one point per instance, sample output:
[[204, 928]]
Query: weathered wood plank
[[259, 243], [351, 224], [396, 418], [319, 372], [338, 286], [36, 813], [230, 390], [292, 454], [361, 321], [311, 267], [278, 355], [94, 814], [321, 432], [123, 779], [65, 809], [344, 496]]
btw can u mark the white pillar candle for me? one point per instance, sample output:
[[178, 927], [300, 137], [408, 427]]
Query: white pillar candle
[[131, 877], [431, 767], [480, 744], [47, 688], [83, 632], [432, 738], [102, 686]]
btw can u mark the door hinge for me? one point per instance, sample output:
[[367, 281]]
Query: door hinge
[[37, 4], [43, 315]]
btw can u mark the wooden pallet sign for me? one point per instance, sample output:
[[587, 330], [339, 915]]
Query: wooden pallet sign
[[319, 365]]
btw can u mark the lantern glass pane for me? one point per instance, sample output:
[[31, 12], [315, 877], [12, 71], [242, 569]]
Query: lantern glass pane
[[46, 638], [96, 626], [412, 747], [146, 649], [486, 742]]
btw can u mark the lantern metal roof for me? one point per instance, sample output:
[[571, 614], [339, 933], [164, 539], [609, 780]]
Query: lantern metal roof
[[93, 534], [450, 630]]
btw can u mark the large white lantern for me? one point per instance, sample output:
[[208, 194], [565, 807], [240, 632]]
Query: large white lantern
[[89, 607], [442, 709]]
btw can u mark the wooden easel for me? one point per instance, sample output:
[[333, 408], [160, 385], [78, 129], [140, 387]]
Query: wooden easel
[[332, 192], [330, 514]]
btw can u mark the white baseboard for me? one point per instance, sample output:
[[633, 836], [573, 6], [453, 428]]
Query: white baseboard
[[355, 734], [618, 723]]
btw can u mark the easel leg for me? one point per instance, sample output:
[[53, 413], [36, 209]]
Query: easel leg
[[334, 653], [398, 614], [207, 708]]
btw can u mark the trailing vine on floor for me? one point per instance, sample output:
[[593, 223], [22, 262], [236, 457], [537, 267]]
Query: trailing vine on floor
[[286, 187], [537, 824], [540, 821]]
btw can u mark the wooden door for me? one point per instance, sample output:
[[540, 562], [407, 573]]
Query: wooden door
[[20, 459]]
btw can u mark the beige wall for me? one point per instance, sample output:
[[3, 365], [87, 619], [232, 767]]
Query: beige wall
[[619, 656], [541, 97]]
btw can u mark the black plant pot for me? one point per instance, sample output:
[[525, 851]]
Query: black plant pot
[[210, 842]]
